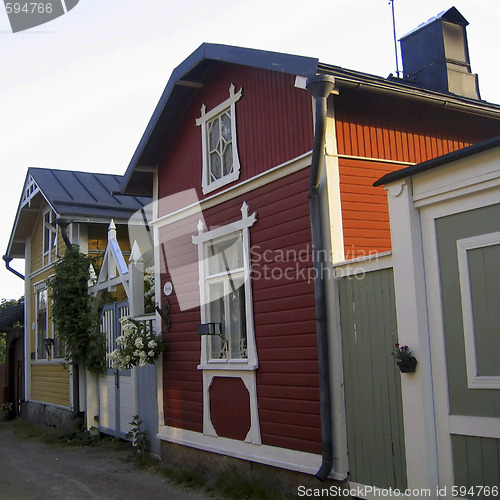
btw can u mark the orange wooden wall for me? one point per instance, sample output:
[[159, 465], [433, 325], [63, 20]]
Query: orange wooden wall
[[380, 127]]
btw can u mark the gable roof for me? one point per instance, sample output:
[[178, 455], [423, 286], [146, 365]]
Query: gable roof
[[77, 196], [185, 79], [189, 75], [438, 161]]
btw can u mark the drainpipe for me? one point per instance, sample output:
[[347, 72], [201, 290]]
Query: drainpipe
[[320, 86], [7, 260], [63, 224]]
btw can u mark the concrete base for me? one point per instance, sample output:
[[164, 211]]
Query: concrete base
[[52, 416]]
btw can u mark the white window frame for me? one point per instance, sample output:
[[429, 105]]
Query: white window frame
[[240, 226], [228, 106], [52, 243], [40, 287], [49, 327], [474, 381]]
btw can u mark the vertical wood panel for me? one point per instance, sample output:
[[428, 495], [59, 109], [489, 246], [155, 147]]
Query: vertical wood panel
[[375, 432]]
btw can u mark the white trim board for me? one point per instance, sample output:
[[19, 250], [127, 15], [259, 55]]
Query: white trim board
[[474, 381], [283, 458]]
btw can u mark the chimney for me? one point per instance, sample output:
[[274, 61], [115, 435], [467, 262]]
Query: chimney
[[436, 55]]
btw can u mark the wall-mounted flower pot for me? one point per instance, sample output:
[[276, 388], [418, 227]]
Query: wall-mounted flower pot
[[408, 365]]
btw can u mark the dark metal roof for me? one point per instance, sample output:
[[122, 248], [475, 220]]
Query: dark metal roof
[[438, 161], [183, 83], [86, 194], [72, 195], [11, 315]]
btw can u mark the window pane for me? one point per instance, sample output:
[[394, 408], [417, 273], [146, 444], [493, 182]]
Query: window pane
[[225, 125], [213, 134], [227, 160], [216, 314], [237, 320], [215, 167], [225, 254], [41, 334]]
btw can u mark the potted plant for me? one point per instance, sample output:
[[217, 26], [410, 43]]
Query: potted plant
[[404, 358]]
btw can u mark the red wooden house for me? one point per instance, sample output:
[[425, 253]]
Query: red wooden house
[[227, 156]]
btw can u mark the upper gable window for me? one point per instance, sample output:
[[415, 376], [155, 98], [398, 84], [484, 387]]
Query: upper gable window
[[221, 164], [49, 237]]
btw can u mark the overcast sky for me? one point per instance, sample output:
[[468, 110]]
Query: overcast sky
[[78, 92]]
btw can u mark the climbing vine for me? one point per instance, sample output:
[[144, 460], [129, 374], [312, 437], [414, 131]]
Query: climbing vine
[[74, 321]]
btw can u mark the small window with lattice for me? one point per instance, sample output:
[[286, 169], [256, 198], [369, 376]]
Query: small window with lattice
[[221, 163]]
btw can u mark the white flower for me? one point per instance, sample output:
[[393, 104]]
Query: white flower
[[139, 342], [151, 354], [152, 344]]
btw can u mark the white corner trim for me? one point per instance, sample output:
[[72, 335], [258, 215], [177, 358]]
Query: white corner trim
[[474, 381], [299, 461]]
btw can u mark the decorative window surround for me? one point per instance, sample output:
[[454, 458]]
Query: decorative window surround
[[474, 380], [213, 118], [242, 225], [243, 368]]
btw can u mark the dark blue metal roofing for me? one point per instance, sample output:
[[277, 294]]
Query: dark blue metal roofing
[[192, 70], [438, 161], [11, 315], [86, 194]]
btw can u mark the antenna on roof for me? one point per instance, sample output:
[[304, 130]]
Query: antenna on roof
[[395, 39]]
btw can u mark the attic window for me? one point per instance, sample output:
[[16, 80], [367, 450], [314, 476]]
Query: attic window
[[49, 237], [221, 164]]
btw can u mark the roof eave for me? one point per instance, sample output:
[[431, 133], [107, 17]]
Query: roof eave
[[273, 61]]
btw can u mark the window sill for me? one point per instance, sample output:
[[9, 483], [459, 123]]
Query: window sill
[[232, 366]]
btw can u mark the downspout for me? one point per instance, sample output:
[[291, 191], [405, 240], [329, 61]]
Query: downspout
[[63, 224], [8, 260], [320, 86]]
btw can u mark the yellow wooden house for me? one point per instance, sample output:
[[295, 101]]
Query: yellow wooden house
[[59, 208]]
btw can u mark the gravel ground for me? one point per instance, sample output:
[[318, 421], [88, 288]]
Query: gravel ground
[[30, 470]]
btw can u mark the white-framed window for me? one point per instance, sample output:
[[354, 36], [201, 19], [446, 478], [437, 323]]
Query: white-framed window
[[49, 237], [221, 164], [42, 324], [226, 295], [48, 346]]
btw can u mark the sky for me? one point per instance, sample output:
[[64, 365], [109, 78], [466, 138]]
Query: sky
[[77, 93]]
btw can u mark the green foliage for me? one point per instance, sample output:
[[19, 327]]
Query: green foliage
[[139, 438], [5, 304], [74, 322]]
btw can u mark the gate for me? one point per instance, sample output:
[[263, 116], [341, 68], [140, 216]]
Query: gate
[[117, 401], [374, 416]]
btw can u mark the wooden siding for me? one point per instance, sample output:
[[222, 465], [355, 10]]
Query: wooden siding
[[476, 462], [374, 410], [50, 384], [390, 128], [284, 317], [274, 125], [462, 399], [365, 213]]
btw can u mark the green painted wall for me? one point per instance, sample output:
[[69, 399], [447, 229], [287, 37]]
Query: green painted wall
[[464, 401], [476, 462], [375, 432]]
